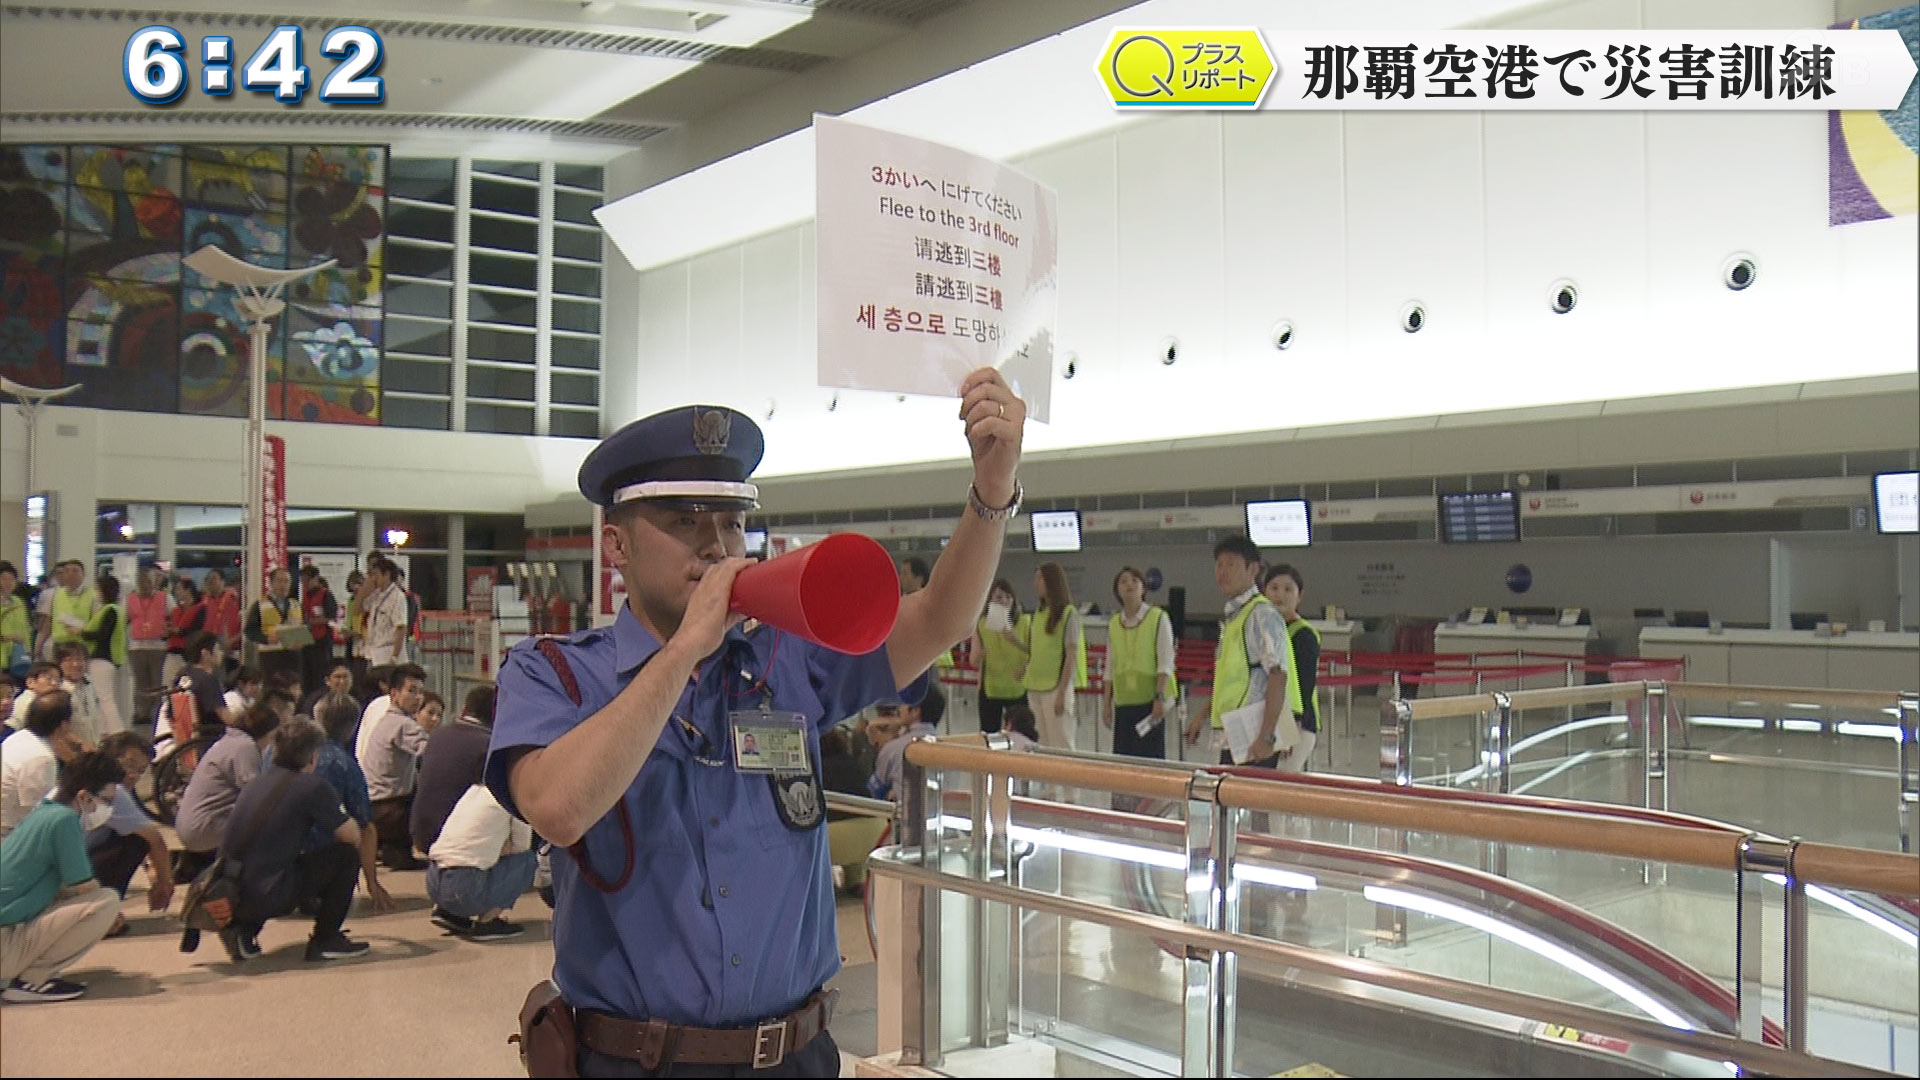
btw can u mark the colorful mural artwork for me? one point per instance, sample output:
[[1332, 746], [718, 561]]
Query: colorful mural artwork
[[93, 290]]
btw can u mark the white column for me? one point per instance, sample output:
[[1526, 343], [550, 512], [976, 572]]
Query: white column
[[368, 541], [543, 307], [164, 545], [1779, 585], [462, 243]]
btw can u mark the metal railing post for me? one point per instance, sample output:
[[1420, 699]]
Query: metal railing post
[[1653, 714], [1909, 710], [917, 825], [1213, 902], [1758, 858], [1793, 974], [1396, 741], [992, 951], [1500, 733]]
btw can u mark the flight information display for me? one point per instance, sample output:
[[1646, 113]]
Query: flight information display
[[1281, 523], [1056, 530], [1896, 502], [1480, 517]]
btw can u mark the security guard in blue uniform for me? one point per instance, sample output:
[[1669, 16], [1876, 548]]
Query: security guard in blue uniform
[[694, 924]]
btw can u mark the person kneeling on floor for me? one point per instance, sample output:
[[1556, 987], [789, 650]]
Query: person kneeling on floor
[[51, 909], [264, 838], [479, 865]]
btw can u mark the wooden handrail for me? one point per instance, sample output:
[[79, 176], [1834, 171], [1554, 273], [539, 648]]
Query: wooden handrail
[[1101, 776], [1785, 695], [1880, 872], [1570, 829], [1442, 708], [1555, 697], [1567, 830]]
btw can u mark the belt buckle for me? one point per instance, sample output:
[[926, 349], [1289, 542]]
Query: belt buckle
[[775, 1030]]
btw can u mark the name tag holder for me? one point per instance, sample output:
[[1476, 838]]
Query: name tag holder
[[767, 740]]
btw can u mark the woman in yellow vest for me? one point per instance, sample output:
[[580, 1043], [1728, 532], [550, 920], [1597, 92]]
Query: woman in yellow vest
[[1139, 669], [106, 639], [1056, 658], [999, 650], [1284, 585]]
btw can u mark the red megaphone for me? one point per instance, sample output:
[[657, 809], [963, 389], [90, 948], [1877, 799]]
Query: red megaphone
[[842, 592]]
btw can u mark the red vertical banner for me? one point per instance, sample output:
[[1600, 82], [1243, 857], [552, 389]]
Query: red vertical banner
[[273, 531]]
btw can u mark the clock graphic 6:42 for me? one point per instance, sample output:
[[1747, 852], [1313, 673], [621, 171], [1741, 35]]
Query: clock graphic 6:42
[[156, 58]]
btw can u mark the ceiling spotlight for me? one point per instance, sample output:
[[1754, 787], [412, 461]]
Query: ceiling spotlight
[[126, 531], [398, 537]]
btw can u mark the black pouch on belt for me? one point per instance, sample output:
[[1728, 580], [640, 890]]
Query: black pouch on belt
[[549, 1042]]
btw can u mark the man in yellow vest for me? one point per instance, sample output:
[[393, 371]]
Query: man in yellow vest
[[1254, 659], [274, 612], [74, 603]]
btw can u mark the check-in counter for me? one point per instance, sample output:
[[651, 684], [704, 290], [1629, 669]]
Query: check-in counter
[[1335, 637], [1517, 640], [1857, 660]]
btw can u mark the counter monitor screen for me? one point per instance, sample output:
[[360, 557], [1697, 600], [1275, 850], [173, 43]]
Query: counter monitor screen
[[1896, 502], [1282, 523], [1056, 531], [1477, 517]]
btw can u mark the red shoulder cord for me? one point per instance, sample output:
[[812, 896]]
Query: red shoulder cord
[[550, 649]]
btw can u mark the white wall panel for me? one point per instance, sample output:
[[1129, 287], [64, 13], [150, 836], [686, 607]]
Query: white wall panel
[[1285, 249], [1084, 181], [773, 364], [1169, 216], [1566, 201], [664, 377], [713, 326], [1415, 232]]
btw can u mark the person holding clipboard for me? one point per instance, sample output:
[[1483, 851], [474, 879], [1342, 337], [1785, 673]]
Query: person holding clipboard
[[1254, 696]]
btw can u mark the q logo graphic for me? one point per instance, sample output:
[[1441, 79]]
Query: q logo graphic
[[1187, 68]]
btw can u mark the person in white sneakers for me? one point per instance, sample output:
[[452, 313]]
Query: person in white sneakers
[[478, 867], [52, 911]]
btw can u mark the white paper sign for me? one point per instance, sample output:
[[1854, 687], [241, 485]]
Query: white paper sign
[[931, 262]]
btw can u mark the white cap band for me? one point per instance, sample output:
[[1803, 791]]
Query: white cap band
[[687, 489]]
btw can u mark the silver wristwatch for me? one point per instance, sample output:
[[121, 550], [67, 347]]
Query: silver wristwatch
[[989, 513]]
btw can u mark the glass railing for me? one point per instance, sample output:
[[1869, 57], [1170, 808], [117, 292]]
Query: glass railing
[[1053, 915]]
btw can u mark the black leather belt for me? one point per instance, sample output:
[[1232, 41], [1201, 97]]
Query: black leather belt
[[654, 1043]]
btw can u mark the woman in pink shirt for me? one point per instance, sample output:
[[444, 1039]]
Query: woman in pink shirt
[[147, 632]]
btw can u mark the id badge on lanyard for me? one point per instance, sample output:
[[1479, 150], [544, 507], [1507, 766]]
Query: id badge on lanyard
[[769, 740]]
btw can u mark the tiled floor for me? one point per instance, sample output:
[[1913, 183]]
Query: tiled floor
[[423, 1003]]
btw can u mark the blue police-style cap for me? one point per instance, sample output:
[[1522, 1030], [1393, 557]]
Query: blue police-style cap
[[695, 457]]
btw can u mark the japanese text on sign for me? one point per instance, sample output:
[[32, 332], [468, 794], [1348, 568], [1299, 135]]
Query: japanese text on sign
[[1545, 69]]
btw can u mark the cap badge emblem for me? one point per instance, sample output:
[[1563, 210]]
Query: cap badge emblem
[[711, 430]]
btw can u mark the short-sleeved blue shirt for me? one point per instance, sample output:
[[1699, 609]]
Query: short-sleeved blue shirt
[[729, 918]]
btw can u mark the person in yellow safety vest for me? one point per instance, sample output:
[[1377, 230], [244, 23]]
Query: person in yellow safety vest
[[1283, 586], [999, 650], [1054, 641], [106, 639], [272, 613], [74, 603], [1140, 683], [16, 629], [1253, 660]]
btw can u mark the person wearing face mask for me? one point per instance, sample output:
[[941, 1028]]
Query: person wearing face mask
[[999, 650], [389, 749], [129, 837], [52, 911]]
